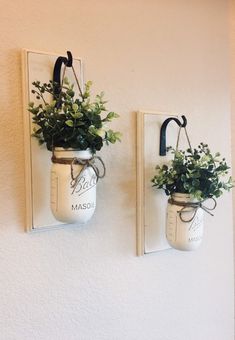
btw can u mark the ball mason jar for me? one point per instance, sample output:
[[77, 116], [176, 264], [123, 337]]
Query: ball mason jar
[[73, 187], [182, 233]]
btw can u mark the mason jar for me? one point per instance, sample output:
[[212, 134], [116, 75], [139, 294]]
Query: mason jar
[[73, 186], [184, 229]]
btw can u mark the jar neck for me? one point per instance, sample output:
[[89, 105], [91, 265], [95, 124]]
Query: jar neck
[[72, 153], [181, 197]]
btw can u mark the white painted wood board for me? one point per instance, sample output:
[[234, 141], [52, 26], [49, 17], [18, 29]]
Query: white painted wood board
[[151, 202], [38, 65]]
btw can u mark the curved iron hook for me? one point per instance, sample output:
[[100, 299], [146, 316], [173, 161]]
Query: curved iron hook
[[184, 124], [162, 150], [68, 62]]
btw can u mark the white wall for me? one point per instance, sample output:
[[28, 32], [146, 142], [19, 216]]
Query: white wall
[[232, 80], [87, 283]]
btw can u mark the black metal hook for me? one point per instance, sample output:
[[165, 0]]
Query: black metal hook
[[162, 150], [68, 62]]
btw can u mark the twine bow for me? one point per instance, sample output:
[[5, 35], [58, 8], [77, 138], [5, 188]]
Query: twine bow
[[195, 206], [85, 163]]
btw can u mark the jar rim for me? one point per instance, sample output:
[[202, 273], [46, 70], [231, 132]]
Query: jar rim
[[180, 196], [60, 148], [72, 153]]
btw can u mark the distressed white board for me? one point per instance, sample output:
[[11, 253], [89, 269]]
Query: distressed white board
[[151, 202], [39, 66]]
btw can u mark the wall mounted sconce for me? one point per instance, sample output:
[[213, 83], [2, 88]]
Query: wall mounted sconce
[[72, 126]]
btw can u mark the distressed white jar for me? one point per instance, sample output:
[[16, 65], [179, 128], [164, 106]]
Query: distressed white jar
[[72, 203], [180, 234]]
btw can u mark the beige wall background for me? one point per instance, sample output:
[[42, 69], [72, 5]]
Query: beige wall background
[[232, 81], [86, 283]]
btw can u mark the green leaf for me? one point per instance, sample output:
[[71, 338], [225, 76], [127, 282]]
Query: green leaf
[[75, 107], [69, 122], [76, 115], [110, 116], [112, 136], [53, 103], [70, 93], [66, 81]]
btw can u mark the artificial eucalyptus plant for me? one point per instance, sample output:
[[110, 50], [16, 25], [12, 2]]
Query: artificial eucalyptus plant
[[71, 121], [196, 172]]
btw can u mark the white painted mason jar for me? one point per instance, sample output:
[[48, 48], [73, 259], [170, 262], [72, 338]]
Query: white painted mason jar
[[183, 231], [72, 201]]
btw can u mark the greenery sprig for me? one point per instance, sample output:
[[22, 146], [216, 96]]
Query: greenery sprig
[[71, 122], [196, 172]]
